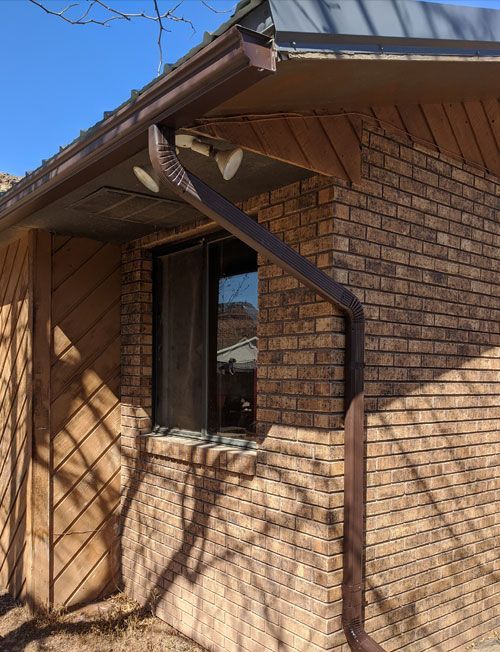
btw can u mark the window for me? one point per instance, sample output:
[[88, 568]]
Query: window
[[206, 340]]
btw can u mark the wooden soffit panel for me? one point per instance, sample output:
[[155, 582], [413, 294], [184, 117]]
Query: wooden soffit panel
[[312, 82], [330, 143]]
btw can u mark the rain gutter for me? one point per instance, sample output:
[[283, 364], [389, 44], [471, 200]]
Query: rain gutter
[[206, 200], [231, 63]]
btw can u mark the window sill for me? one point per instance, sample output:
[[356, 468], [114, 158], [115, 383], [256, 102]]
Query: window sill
[[188, 450]]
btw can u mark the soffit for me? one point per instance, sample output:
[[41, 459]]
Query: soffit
[[311, 81], [330, 143], [104, 209]]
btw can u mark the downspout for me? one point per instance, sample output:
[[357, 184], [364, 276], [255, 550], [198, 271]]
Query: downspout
[[206, 200]]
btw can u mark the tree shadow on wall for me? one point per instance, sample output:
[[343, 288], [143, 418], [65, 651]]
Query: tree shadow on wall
[[219, 540], [441, 485], [14, 415]]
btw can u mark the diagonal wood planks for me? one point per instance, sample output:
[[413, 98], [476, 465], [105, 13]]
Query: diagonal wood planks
[[85, 423], [330, 143], [59, 418]]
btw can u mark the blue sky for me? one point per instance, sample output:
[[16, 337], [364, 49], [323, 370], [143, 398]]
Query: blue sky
[[242, 287], [59, 78]]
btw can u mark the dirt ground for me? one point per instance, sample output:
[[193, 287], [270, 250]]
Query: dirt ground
[[489, 645], [115, 625]]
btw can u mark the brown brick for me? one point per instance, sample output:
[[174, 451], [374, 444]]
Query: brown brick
[[254, 561]]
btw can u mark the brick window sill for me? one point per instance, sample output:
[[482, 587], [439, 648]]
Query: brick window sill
[[191, 451]]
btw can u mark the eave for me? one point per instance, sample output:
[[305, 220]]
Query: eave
[[234, 61], [311, 112], [334, 64]]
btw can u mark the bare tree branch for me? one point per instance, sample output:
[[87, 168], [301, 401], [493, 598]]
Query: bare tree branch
[[89, 9], [126, 16], [76, 21], [160, 33], [113, 14], [216, 11]]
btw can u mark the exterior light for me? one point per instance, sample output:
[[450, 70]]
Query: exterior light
[[228, 160], [147, 177], [183, 141]]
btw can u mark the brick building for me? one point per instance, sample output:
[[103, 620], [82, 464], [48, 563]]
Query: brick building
[[248, 497]]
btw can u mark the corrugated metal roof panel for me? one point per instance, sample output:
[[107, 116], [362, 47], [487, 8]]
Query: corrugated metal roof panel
[[404, 26], [399, 26]]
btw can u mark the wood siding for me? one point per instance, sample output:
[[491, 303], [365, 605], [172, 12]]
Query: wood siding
[[330, 144], [84, 417], [59, 419], [15, 445]]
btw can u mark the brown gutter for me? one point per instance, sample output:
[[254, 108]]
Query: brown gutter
[[231, 63], [194, 191]]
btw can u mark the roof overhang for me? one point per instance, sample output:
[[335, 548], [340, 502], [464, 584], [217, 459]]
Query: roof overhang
[[286, 56], [332, 82], [233, 62]]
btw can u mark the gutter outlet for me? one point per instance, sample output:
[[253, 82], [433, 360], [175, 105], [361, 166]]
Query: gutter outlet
[[206, 200]]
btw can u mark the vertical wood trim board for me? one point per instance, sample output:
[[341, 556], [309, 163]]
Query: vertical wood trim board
[[40, 568], [15, 448]]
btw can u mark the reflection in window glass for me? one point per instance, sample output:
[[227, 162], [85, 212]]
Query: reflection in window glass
[[237, 314], [206, 340]]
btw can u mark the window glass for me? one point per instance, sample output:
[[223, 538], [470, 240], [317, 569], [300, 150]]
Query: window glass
[[206, 340], [236, 338]]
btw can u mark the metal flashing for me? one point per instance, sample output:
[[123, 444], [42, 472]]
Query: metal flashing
[[397, 26], [289, 44]]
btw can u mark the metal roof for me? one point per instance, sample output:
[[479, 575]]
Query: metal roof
[[242, 9], [397, 26], [356, 26]]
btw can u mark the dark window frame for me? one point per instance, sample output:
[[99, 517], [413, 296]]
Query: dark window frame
[[209, 332]]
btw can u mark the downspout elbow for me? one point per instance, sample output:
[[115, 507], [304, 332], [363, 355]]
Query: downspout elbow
[[352, 622], [197, 193]]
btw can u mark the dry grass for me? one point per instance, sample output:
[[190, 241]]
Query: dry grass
[[115, 625], [491, 644]]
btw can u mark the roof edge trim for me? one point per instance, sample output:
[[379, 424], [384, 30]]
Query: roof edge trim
[[234, 61], [290, 42]]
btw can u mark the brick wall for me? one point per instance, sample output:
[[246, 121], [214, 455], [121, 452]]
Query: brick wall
[[240, 560]]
